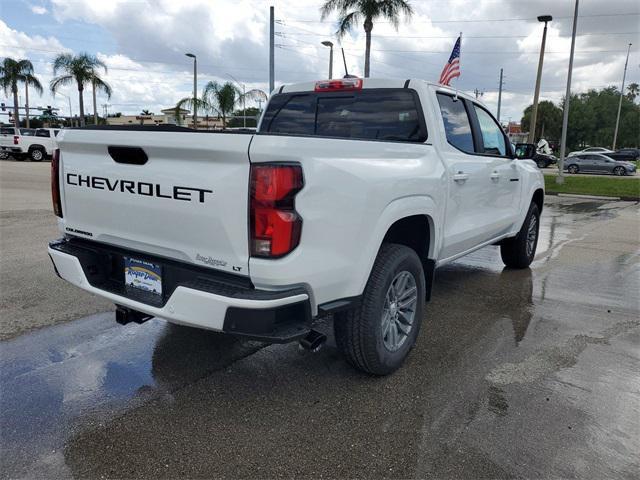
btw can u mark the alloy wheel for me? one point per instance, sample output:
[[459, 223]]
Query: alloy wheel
[[398, 314]]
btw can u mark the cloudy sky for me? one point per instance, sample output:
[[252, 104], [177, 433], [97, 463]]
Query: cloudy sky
[[143, 44]]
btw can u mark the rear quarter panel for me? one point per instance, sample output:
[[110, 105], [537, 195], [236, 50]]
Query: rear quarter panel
[[354, 190]]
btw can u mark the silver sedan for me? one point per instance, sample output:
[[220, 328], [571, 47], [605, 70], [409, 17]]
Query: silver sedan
[[598, 163]]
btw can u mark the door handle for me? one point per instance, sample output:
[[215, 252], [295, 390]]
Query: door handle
[[460, 177], [495, 176]]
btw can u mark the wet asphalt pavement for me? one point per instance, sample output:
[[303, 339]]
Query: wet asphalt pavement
[[531, 373]]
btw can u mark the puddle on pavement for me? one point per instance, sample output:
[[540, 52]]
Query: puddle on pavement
[[70, 384], [93, 368]]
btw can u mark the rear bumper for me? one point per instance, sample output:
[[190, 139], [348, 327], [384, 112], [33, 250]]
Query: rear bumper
[[11, 149], [192, 295]]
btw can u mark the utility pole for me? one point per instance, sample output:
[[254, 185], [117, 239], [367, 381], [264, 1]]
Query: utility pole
[[271, 50], [536, 95], [567, 97], [624, 76], [500, 96]]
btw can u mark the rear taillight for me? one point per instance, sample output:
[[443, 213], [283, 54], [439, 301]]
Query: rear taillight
[[55, 183], [15, 139], [275, 224], [346, 84]]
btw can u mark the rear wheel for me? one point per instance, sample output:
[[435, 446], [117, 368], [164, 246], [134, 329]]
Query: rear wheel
[[4, 155], [377, 336], [572, 169], [620, 171], [542, 164], [36, 154], [518, 252]]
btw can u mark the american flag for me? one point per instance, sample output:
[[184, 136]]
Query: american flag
[[452, 67]]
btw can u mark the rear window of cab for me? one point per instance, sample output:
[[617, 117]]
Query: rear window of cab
[[370, 114]]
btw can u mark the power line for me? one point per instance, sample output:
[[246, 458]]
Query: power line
[[451, 36], [491, 19]]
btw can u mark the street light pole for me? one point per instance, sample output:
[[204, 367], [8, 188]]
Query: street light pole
[[536, 95], [567, 97], [624, 77], [329, 44], [70, 112], [244, 96], [195, 89]]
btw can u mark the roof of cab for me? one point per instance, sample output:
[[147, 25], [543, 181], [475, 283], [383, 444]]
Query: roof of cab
[[374, 83]]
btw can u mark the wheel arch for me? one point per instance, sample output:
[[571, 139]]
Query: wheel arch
[[538, 198], [399, 222]]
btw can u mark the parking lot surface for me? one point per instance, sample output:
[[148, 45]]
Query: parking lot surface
[[530, 373], [31, 297]]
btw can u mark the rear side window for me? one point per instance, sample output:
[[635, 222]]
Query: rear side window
[[384, 114], [42, 133], [27, 132], [456, 123], [294, 115]]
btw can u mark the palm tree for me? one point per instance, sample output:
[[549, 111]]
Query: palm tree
[[146, 112], [82, 69], [633, 91], [350, 12], [13, 72], [219, 99]]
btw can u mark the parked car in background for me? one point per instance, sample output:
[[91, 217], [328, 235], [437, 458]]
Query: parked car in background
[[36, 144], [625, 155], [591, 150], [598, 163], [529, 151]]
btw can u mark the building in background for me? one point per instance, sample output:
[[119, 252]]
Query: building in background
[[167, 116]]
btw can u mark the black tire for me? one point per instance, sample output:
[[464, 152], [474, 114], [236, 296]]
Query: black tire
[[37, 154], [359, 332], [573, 169], [619, 171], [517, 252], [542, 164], [4, 155]]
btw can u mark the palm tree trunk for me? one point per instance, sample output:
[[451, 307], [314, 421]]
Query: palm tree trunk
[[16, 115], [81, 103], [224, 121], [368, 26], [95, 111], [26, 100]]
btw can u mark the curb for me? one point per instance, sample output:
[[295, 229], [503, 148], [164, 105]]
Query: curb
[[593, 197]]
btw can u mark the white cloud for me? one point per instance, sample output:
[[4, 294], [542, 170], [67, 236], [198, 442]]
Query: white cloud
[[231, 37], [38, 9]]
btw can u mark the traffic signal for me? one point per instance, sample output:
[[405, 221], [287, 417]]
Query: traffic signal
[[3, 106]]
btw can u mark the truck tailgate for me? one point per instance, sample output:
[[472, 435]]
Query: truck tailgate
[[186, 202]]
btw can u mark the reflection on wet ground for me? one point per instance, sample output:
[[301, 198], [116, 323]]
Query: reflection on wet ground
[[528, 373]]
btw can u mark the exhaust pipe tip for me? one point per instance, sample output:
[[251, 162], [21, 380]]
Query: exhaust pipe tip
[[313, 341]]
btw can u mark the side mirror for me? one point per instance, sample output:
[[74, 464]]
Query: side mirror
[[525, 151]]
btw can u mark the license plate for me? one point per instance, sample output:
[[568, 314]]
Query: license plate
[[143, 275]]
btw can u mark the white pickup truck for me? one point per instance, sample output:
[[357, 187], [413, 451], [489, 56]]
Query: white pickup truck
[[343, 203], [36, 144]]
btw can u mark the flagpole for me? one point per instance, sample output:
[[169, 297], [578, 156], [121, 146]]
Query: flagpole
[[459, 62]]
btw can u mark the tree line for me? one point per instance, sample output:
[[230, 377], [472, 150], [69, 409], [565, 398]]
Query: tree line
[[592, 118]]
